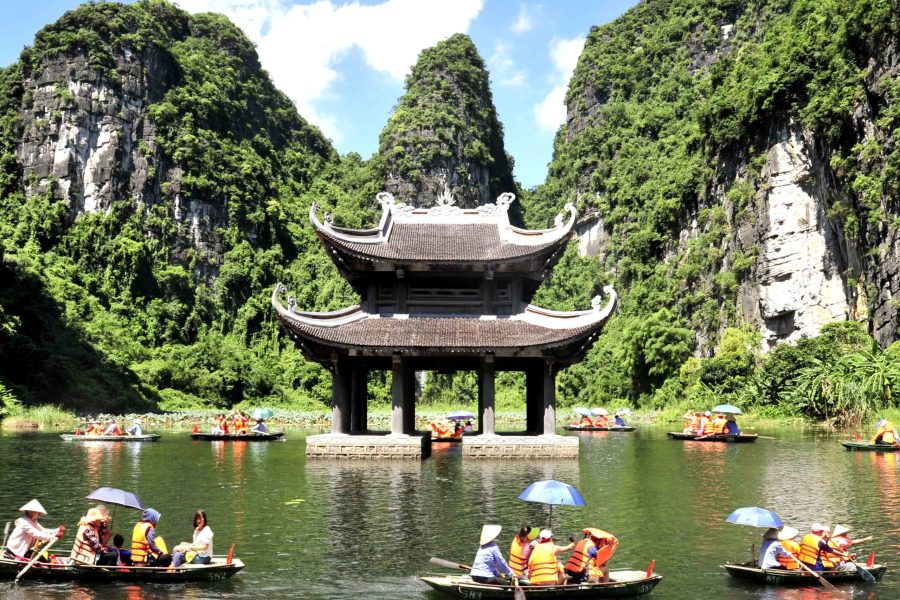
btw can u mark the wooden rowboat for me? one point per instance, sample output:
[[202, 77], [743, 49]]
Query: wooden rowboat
[[149, 437], [593, 428], [217, 570], [231, 437], [622, 584], [866, 446], [744, 438], [798, 577]]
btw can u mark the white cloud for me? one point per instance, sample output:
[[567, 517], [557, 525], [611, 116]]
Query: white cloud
[[550, 112], [301, 44], [524, 21], [503, 67]]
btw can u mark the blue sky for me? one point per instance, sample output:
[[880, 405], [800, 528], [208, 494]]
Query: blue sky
[[343, 62]]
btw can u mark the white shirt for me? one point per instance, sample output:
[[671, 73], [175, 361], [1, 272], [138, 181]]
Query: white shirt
[[204, 537], [26, 532], [135, 430]]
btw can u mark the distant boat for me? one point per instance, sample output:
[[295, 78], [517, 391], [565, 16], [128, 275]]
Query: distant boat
[[866, 446], [238, 437], [622, 584], [148, 437], [799, 577], [744, 438], [220, 568]]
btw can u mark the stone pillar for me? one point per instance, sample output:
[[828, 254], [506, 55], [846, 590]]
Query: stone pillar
[[409, 399], [486, 378], [534, 403], [359, 398], [549, 392], [340, 395], [398, 372]]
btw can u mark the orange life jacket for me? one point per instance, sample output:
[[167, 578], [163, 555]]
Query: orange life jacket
[[718, 425], [222, 423], [695, 423], [789, 562], [82, 551], [601, 421], [605, 549], [140, 546], [517, 556], [585, 422], [240, 424], [579, 559], [542, 565]]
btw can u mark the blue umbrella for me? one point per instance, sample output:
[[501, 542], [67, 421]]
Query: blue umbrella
[[755, 517], [116, 496], [727, 409], [458, 415], [552, 492], [582, 411]]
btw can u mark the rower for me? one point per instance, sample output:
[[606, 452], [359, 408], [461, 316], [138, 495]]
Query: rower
[[619, 421], [731, 426], [885, 433], [260, 427], [543, 568], [489, 566], [135, 428], [28, 532]]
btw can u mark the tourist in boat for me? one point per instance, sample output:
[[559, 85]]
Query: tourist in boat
[[135, 428], [112, 428], [718, 424], [457, 429], [731, 426], [590, 556], [585, 421], [606, 544], [28, 532], [239, 423], [144, 550], [94, 427], [706, 424], [489, 566], [88, 549], [220, 425], [104, 530], [601, 421], [468, 427], [885, 433], [817, 553], [259, 427], [440, 429], [200, 550], [577, 566], [782, 552], [543, 567], [619, 421], [520, 549], [839, 538], [123, 556]]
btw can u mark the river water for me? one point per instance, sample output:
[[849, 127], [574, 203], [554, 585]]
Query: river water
[[325, 529]]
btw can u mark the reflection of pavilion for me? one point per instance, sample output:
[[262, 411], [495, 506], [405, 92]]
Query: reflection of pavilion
[[443, 289]]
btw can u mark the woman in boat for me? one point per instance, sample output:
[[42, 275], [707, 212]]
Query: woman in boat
[[577, 566], [112, 428], [135, 428], [200, 550], [619, 421], [585, 421], [839, 538], [28, 532], [94, 428], [885, 433], [144, 550], [731, 426], [776, 554], [520, 549], [770, 537], [706, 424], [543, 567], [260, 427], [601, 421], [606, 547], [489, 566], [239, 423], [88, 549]]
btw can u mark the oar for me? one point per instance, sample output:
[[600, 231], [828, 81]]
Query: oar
[[37, 555], [518, 594], [448, 564], [5, 535], [821, 579], [868, 577]]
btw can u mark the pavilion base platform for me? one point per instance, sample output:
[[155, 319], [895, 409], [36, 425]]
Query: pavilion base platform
[[520, 446], [344, 446]]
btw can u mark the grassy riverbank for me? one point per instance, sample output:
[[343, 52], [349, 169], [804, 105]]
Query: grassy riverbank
[[55, 418]]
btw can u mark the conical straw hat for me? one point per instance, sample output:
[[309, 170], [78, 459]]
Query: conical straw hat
[[489, 533], [33, 506]]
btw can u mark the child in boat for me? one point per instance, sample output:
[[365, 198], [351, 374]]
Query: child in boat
[[124, 556]]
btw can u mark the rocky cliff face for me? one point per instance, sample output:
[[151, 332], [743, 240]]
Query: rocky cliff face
[[444, 133], [780, 206]]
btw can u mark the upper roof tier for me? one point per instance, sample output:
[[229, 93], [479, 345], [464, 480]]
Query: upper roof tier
[[444, 238]]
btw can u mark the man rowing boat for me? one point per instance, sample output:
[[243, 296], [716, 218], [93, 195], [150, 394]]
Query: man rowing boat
[[28, 532]]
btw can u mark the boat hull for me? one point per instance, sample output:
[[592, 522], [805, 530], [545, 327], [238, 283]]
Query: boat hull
[[623, 584], [728, 439], [782, 577], [867, 447], [250, 437], [592, 428], [150, 437], [219, 569]]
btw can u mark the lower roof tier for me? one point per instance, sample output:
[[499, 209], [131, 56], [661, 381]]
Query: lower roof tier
[[535, 332]]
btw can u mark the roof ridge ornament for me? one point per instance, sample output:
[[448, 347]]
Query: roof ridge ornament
[[445, 198]]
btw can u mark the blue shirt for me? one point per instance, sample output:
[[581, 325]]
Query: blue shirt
[[619, 422], [489, 562], [772, 552], [731, 428]]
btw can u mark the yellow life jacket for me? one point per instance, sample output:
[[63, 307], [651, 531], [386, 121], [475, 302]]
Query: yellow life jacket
[[82, 551], [706, 425], [140, 546], [810, 553], [517, 556], [542, 565], [789, 562], [579, 559], [830, 561]]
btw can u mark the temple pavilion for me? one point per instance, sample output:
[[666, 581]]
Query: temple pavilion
[[443, 289]]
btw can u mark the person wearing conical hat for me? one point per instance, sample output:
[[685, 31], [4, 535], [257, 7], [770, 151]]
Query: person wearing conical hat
[[135, 428], [489, 565], [88, 548], [782, 553], [839, 537], [28, 531]]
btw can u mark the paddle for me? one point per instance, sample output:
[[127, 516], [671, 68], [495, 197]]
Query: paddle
[[821, 579], [448, 564], [37, 555], [5, 535], [518, 594], [862, 572]]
